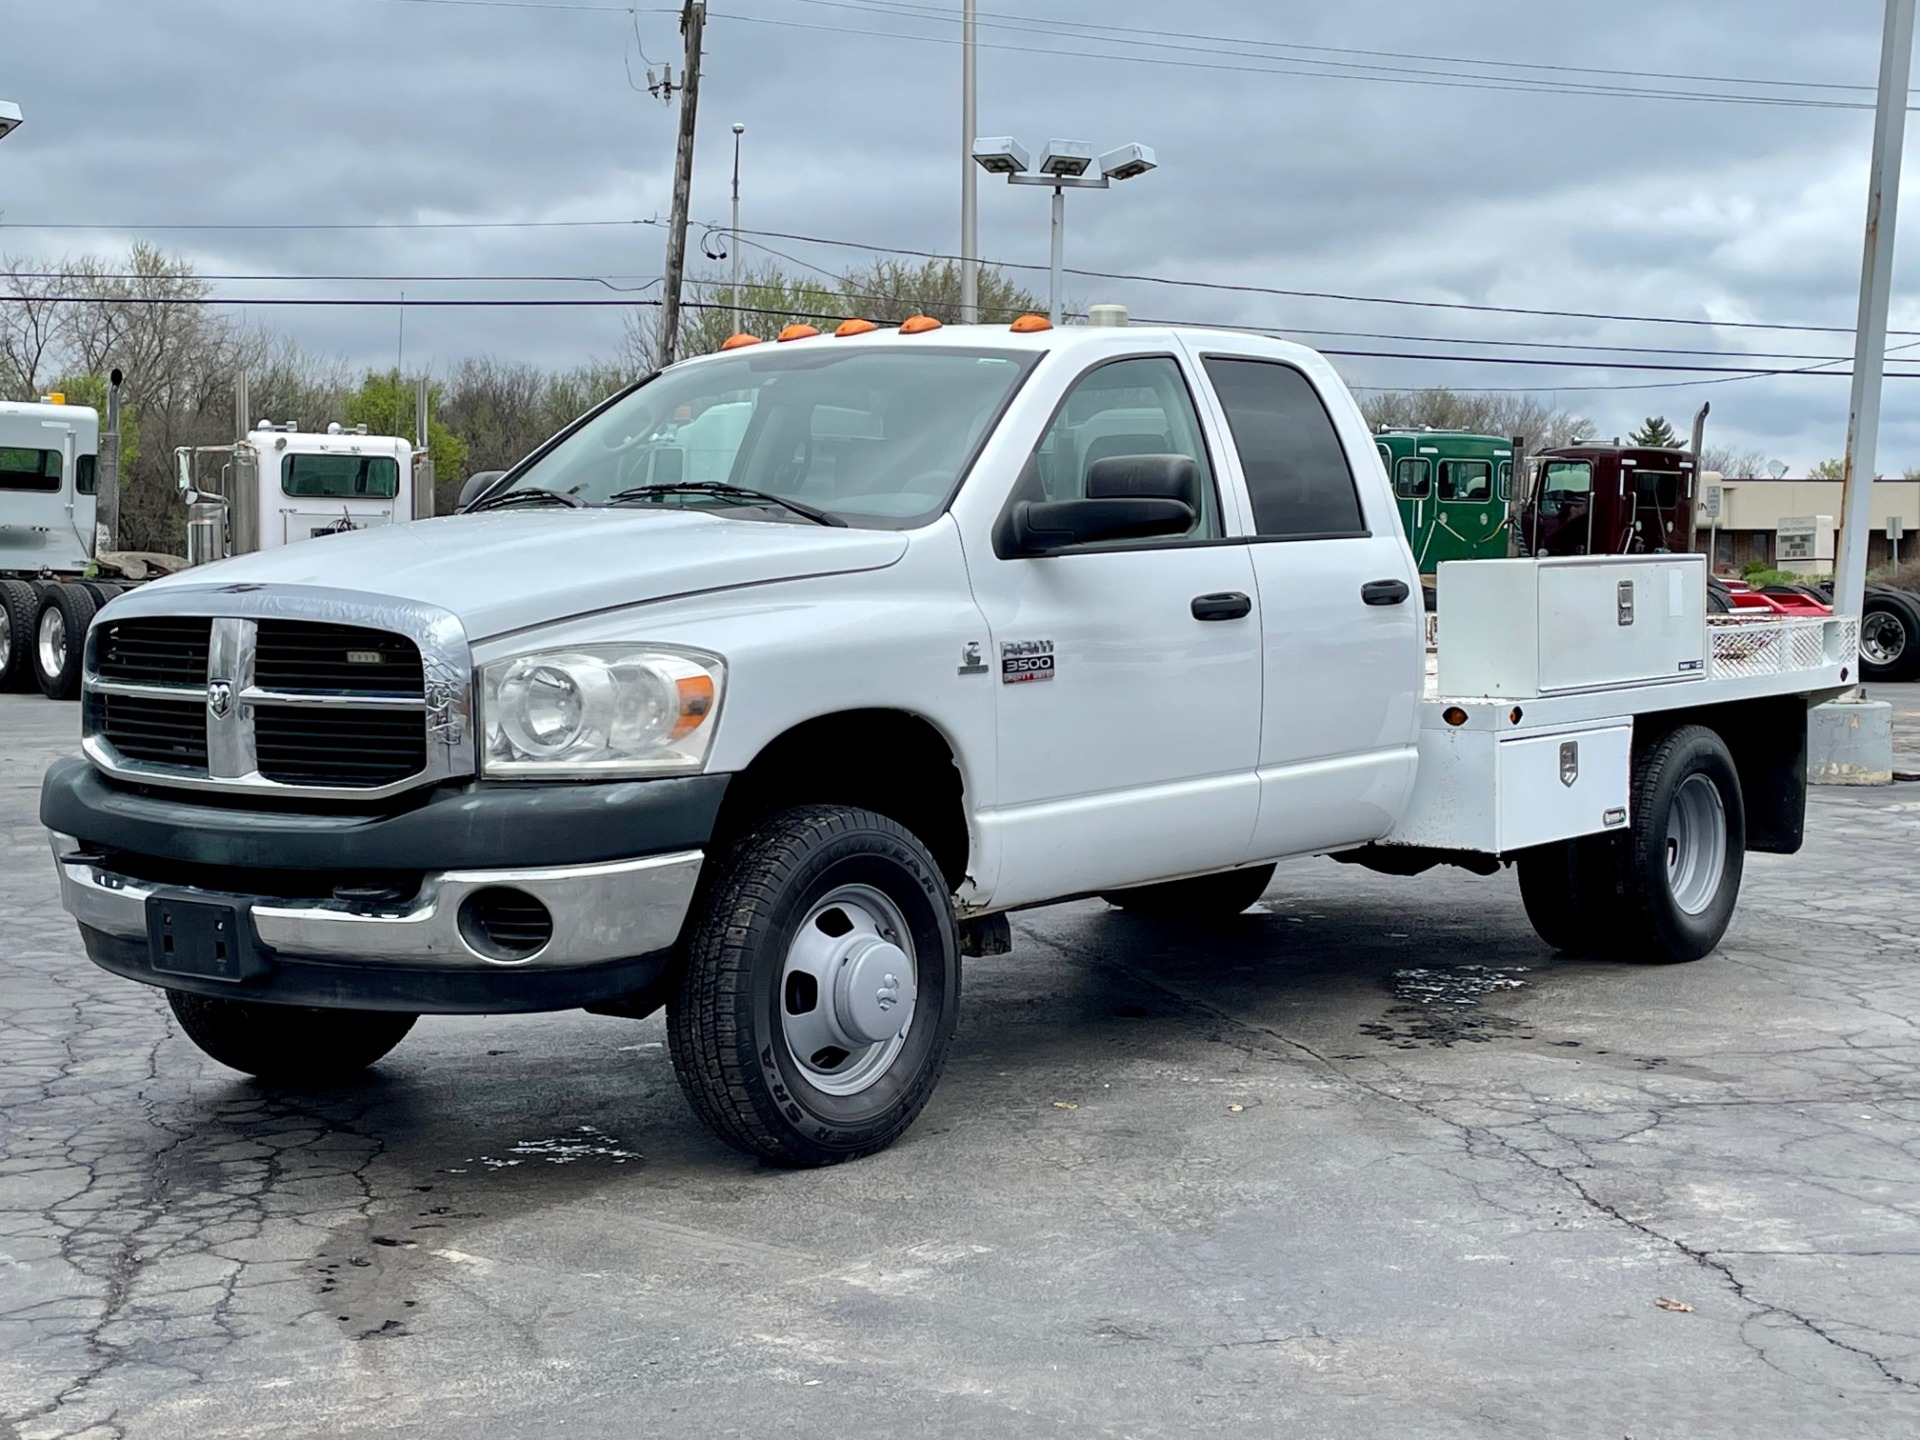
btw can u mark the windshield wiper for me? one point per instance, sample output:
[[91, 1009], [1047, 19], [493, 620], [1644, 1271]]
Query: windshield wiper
[[530, 495], [727, 492]]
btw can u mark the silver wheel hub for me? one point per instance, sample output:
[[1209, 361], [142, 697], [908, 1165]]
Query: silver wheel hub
[[1883, 639], [53, 641], [1696, 844], [848, 990]]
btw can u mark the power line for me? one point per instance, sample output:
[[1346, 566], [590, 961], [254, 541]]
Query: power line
[[1280, 66], [929, 12]]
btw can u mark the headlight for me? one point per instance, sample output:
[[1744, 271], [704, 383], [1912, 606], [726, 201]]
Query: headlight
[[600, 710]]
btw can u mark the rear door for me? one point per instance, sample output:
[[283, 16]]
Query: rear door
[[1341, 636]]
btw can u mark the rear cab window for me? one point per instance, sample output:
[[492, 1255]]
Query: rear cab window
[[1298, 478], [33, 471], [340, 477]]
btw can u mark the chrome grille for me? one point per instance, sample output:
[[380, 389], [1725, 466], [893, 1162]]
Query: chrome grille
[[259, 702], [163, 650]]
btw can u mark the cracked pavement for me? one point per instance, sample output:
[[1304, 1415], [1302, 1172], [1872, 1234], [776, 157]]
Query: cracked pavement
[[1369, 1160]]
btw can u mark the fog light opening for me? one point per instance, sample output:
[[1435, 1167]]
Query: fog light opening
[[505, 924]]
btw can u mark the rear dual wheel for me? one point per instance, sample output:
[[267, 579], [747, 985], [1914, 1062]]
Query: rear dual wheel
[[60, 638], [19, 609], [1665, 889], [1890, 636]]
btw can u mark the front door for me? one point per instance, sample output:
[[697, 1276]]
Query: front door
[[1341, 620], [1128, 714]]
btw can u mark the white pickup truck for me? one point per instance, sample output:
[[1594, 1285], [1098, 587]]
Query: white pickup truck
[[765, 690]]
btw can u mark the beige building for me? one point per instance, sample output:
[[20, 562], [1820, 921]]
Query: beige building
[[1751, 509]]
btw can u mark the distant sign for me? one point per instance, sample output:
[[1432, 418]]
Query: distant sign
[[1710, 501], [1803, 537], [1895, 529]]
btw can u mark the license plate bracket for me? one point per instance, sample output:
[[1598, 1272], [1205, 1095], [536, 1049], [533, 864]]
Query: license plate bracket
[[201, 938]]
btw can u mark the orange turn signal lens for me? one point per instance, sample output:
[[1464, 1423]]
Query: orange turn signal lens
[[798, 332], [734, 342], [854, 327], [696, 703], [918, 324], [1454, 715], [1030, 324]]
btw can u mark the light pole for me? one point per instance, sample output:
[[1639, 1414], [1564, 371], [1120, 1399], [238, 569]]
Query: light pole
[[969, 186], [1063, 166], [738, 131], [9, 118]]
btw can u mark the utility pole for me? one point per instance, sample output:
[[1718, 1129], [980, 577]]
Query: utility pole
[[693, 18], [1876, 286], [969, 184]]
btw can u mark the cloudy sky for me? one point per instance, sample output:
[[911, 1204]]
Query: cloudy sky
[[1426, 152]]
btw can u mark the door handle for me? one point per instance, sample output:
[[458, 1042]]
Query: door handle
[[1226, 605], [1384, 592]]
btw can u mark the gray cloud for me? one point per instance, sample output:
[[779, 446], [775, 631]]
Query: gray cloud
[[372, 110]]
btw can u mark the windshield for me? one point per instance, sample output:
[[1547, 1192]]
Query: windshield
[[1567, 477], [875, 437], [340, 477]]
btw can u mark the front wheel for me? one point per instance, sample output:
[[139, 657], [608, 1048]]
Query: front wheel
[[821, 986], [291, 1044]]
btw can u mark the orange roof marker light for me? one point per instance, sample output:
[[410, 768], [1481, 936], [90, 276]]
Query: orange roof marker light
[[918, 325], [854, 327], [798, 332], [1030, 324], [734, 342]]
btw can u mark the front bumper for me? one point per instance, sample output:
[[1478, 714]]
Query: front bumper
[[314, 921]]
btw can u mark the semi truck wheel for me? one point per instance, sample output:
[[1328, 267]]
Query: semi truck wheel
[[1889, 636], [288, 1043], [1205, 897], [59, 640], [19, 608], [820, 989]]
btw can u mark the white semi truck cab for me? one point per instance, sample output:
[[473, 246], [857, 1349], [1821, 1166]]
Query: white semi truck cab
[[277, 485], [766, 690]]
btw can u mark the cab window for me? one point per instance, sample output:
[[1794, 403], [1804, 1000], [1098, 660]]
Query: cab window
[[36, 471], [1127, 407], [1466, 480], [340, 477], [1297, 473], [1412, 479]]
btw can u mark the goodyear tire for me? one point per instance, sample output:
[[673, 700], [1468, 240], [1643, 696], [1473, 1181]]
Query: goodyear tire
[[1205, 897], [60, 639], [821, 983], [289, 1044], [19, 608]]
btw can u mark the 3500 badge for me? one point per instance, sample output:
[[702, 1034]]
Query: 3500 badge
[[1022, 661]]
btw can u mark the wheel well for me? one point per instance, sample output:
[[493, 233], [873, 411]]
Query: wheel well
[[888, 761], [1768, 740]]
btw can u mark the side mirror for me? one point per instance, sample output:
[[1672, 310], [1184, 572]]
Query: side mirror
[[477, 485], [1045, 526], [183, 469]]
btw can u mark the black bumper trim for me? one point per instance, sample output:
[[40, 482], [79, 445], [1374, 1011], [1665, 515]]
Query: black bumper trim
[[413, 991], [479, 826]]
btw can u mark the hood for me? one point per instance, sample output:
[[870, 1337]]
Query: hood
[[509, 570]]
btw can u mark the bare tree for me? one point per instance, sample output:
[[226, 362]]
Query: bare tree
[[1481, 412], [34, 321]]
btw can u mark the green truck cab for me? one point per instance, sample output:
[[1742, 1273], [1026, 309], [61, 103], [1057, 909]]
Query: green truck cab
[[1454, 490]]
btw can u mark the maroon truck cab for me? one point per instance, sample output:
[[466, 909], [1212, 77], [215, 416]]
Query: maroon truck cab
[[1593, 499]]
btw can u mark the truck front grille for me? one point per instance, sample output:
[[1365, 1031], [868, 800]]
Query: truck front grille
[[299, 746], [337, 659], [245, 704], [160, 732], [161, 651]]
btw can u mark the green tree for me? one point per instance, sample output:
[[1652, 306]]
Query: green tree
[[384, 404], [1656, 433], [1834, 469]]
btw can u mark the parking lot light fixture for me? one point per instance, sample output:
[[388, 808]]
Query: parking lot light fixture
[[1063, 166], [9, 118]]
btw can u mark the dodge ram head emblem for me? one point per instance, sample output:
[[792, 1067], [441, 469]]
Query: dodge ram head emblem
[[219, 698], [1569, 761]]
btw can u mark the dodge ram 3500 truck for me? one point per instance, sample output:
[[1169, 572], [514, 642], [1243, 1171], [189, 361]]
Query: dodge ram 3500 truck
[[767, 688]]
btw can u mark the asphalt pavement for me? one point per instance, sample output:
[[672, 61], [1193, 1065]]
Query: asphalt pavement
[[1369, 1161]]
